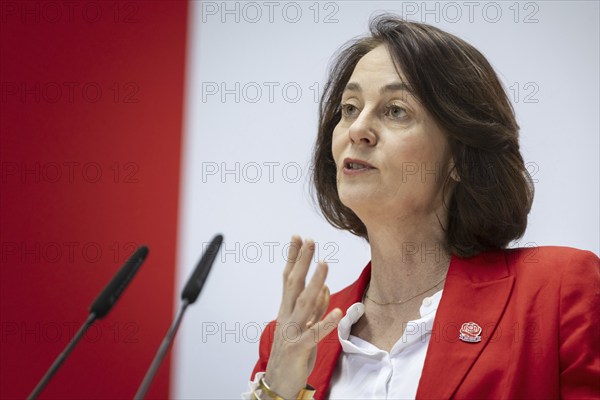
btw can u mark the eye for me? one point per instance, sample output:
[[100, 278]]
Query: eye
[[349, 111], [395, 112]]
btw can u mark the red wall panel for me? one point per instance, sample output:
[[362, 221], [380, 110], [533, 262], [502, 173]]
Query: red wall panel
[[91, 112]]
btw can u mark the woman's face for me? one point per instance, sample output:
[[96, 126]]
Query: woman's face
[[391, 156]]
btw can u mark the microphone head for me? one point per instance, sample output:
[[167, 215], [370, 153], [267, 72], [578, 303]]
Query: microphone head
[[108, 297], [192, 289]]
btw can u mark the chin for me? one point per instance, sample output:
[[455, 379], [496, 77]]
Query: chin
[[355, 199]]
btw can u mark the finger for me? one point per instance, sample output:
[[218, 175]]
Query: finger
[[300, 268], [287, 306], [320, 330], [295, 281], [317, 282], [320, 308], [292, 255], [324, 303], [307, 301]]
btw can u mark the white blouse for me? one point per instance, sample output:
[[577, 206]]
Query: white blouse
[[366, 372]]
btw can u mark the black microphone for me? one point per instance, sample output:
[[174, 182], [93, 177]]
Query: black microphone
[[99, 308], [192, 289], [189, 294], [109, 296]]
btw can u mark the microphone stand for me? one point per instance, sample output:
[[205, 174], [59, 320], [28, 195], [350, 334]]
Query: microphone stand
[[189, 294], [62, 357], [162, 351], [99, 308]]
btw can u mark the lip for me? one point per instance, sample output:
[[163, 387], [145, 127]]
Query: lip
[[348, 171]]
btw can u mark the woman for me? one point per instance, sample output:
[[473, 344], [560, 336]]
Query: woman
[[418, 153]]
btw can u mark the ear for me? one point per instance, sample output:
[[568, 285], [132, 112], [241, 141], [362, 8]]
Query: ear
[[453, 172]]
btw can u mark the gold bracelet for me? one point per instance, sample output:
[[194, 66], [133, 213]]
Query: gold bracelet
[[305, 394]]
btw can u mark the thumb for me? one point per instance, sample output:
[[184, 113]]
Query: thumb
[[327, 325]]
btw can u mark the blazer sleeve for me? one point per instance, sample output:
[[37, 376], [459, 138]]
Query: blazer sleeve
[[264, 349], [579, 330]]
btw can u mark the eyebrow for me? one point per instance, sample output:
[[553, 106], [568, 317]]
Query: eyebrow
[[392, 87]]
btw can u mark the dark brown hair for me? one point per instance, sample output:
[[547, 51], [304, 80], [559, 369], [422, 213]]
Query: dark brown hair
[[456, 84]]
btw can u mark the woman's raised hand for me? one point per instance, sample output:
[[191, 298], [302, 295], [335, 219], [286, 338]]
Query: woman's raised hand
[[299, 326]]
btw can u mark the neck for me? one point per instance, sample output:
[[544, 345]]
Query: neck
[[407, 257]]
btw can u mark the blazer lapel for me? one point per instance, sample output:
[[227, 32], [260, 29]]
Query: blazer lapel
[[329, 348], [476, 290]]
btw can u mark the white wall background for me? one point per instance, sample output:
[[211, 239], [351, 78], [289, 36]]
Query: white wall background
[[546, 51]]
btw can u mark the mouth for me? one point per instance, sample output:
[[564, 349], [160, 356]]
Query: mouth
[[353, 166]]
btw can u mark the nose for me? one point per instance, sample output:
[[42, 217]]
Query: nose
[[363, 129]]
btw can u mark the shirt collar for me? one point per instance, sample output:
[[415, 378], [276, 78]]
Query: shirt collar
[[416, 329]]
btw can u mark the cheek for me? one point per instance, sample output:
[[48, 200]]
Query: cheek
[[418, 163], [407, 152], [337, 145]]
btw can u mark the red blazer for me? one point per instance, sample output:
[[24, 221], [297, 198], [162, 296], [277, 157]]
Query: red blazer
[[539, 310]]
